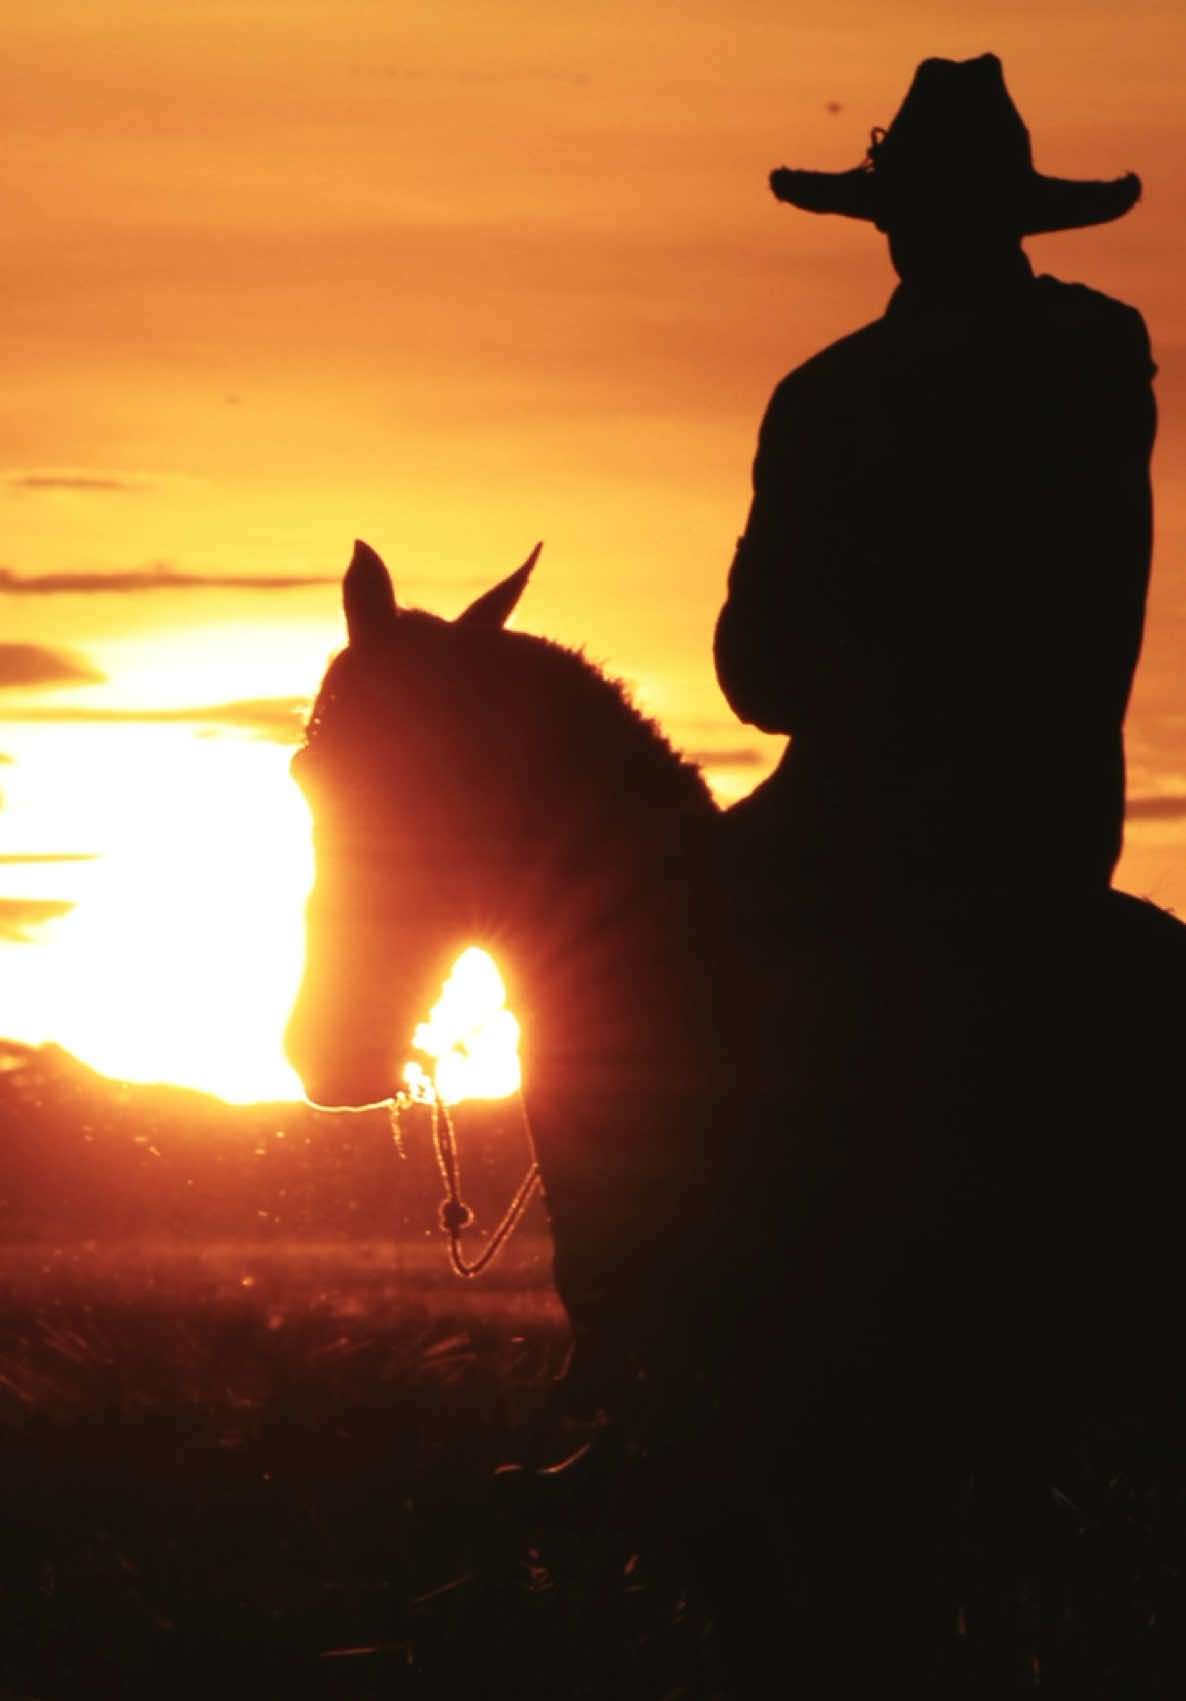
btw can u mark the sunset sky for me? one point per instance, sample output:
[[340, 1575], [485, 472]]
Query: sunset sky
[[450, 277]]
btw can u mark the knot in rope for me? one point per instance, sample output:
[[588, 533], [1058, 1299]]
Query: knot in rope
[[455, 1215]]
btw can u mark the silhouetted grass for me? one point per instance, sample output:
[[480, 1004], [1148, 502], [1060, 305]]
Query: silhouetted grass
[[272, 1470]]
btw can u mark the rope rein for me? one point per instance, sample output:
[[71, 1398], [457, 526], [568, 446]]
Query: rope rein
[[455, 1214]]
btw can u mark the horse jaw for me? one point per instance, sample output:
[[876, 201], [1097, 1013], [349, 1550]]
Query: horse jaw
[[364, 992]]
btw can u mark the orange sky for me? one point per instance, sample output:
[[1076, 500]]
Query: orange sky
[[456, 276]]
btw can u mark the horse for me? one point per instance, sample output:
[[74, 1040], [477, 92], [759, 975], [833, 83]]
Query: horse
[[832, 1180], [474, 785]]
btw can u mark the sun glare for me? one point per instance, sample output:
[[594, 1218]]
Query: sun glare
[[471, 1036], [181, 955], [181, 947]]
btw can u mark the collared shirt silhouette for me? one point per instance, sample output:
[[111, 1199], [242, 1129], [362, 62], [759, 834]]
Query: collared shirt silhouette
[[940, 590]]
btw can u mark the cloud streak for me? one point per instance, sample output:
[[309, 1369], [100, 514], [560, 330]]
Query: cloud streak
[[1156, 808], [280, 720], [461, 76], [20, 858], [740, 756], [20, 917], [34, 664], [156, 576], [77, 483]]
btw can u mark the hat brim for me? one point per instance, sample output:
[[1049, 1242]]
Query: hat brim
[[1042, 204]]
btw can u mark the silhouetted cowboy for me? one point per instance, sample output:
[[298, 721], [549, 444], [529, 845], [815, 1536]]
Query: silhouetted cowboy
[[940, 590]]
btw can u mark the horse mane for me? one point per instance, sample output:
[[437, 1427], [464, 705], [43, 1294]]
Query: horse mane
[[602, 713], [532, 714]]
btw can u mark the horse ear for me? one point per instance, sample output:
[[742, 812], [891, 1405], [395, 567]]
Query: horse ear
[[368, 597], [493, 608]]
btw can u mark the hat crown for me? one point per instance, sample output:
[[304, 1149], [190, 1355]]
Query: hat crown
[[957, 119], [957, 142]]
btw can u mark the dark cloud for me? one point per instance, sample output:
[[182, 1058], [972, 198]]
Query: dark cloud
[[1156, 809], [79, 482], [20, 916], [740, 756], [156, 576], [33, 664], [278, 719]]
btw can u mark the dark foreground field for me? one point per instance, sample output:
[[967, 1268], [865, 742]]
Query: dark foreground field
[[249, 1445], [261, 1470], [272, 1471], [250, 1423]]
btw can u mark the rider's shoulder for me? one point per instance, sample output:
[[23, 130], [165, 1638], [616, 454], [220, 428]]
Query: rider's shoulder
[[1078, 307], [821, 370]]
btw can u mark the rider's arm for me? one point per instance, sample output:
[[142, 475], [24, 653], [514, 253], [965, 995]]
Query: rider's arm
[[754, 642]]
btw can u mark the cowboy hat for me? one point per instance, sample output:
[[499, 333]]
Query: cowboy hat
[[957, 149]]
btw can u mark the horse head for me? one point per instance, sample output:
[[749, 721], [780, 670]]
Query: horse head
[[395, 767]]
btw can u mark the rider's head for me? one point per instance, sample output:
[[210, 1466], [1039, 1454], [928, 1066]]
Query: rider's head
[[952, 181]]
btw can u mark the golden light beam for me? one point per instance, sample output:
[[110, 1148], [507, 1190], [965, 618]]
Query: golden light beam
[[470, 1035]]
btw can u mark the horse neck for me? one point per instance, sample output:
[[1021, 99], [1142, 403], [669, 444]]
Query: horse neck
[[599, 932]]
